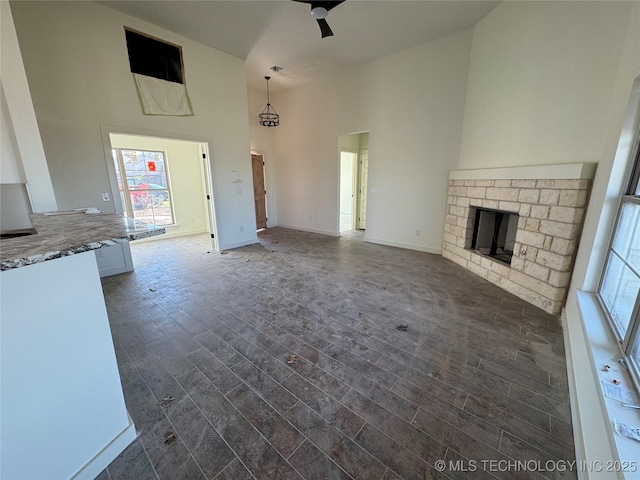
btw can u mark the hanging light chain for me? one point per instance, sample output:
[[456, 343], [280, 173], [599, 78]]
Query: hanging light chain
[[268, 78]]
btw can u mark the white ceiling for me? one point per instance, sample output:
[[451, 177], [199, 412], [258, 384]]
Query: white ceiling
[[283, 32]]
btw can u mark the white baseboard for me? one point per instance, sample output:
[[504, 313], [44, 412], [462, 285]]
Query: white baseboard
[[409, 246], [310, 230], [173, 233], [243, 243], [108, 454]]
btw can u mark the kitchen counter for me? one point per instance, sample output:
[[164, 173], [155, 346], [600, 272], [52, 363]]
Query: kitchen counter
[[61, 400], [61, 234]]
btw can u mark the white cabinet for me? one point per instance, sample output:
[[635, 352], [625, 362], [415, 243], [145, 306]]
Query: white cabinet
[[62, 408], [114, 259]]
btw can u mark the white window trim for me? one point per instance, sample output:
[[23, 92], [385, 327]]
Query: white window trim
[[588, 429]]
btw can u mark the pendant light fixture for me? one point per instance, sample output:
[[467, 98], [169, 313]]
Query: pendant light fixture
[[269, 117]]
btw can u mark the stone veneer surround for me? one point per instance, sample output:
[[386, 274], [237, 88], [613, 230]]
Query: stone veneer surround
[[551, 201]]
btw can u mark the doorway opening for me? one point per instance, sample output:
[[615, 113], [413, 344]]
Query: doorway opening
[[348, 186], [353, 173], [162, 180], [259, 189]]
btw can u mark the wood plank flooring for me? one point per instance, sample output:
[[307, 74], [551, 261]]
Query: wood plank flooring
[[283, 360]]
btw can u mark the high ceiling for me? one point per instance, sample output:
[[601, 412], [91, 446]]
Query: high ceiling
[[283, 32]]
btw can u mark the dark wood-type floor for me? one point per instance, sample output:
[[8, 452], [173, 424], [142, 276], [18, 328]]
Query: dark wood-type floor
[[478, 379]]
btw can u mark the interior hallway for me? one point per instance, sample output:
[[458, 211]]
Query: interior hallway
[[284, 360]]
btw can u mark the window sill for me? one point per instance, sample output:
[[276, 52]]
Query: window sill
[[605, 350]]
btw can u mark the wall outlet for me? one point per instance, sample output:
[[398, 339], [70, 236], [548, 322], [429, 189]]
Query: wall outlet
[[310, 218], [418, 233], [105, 197], [373, 189], [241, 229]]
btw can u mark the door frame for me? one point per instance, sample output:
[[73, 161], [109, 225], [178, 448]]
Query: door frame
[[268, 198], [209, 168]]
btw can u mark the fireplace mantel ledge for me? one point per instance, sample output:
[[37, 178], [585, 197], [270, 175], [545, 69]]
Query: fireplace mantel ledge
[[565, 171]]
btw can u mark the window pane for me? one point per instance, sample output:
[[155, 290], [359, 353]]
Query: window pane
[[619, 291], [159, 197], [149, 213], [154, 58], [162, 214], [626, 242], [147, 186]]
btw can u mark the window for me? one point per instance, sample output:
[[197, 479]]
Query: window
[[154, 58], [619, 290], [144, 187]]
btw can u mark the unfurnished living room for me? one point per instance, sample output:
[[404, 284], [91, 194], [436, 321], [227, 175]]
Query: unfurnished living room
[[286, 239]]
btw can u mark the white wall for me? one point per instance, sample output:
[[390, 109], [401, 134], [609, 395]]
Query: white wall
[[76, 61], [541, 79], [354, 141], [549, 83], [587, 348], [23, 158], [590, 341], [11, 170], [349, 142], [347, 161], [186, 181], [14, 200], [608, 184], [14, 207], [412, 104]]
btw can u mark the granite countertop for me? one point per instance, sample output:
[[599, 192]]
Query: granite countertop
[[60, 234]]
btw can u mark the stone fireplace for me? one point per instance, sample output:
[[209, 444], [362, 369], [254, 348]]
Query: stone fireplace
[[549, 202]]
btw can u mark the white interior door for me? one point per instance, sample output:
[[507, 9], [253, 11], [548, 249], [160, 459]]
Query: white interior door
[[362, 190], [348, 163]]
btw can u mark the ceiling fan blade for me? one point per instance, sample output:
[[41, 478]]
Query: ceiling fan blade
[[324, 28], [326, 4]]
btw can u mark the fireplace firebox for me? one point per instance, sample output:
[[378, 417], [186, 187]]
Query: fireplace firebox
[[494, 234]]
